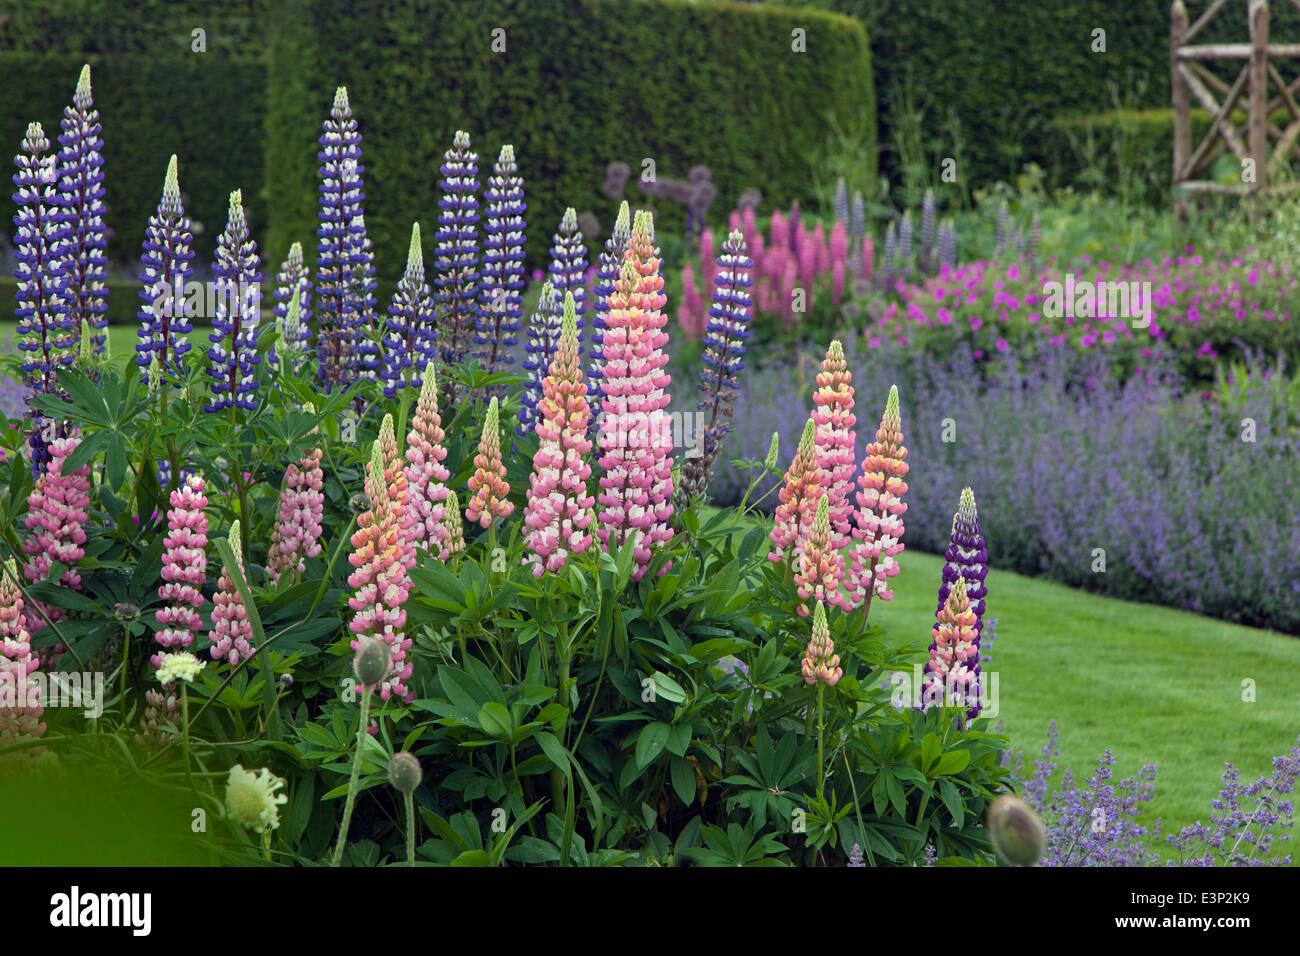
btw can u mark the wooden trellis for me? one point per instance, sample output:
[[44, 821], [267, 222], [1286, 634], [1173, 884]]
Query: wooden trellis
[[1259, 145]]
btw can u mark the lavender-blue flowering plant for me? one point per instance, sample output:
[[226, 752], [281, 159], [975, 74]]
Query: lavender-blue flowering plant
[[232, 357], [81, 189], [456, 270], [501, 295], [164, 270], [411, 337]]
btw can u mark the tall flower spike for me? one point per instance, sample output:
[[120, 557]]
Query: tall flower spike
[[185, 564], [820, 662], [20, 691], [724, 352], [454, 528], [380, 580], [232, 634], [820, 566], [292, 278], [426, 476], [609, 265], [457, 259], [836, 439], [543, 340], [81, 188], [879, 531], [635, 434], [949, 675], [365, 317], [339, 296], [558, 515], [46, 336], [164, 270], [968, 559], [488, 483], [232, 357], [302, 506], [501, 298], [399, 495], [409, 343], [568, 273], [56, 517], [795, 513]]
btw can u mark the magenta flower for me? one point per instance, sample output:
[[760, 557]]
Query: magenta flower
[[635, 433], [558, 514], [185, 565]]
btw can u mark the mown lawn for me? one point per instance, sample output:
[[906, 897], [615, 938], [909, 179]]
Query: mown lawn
[[1153, 684], [122, 339]]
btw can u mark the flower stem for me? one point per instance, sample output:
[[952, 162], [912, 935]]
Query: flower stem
[[410, 829], [356, 777]]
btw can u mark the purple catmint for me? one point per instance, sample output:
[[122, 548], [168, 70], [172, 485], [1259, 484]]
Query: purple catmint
[[339, 296], [164, 269], [411, 337], [501, 294], [232, 357], [81, 188]]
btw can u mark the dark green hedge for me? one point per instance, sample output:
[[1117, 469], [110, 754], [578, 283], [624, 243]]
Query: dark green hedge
[[1008, 68], [582, 83], [155, 97]]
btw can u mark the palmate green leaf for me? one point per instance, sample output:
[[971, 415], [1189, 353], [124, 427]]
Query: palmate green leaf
[[954, 761], [683, 775], [495, 719]]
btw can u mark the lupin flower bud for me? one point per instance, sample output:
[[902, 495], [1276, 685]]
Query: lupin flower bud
[[820, 662], [404, 772], [819, 566], [558, 514], [795, 513], [773, 451], [293, 284], [453, 529], [1018, 834], [879, 520], [232, 634], [488, 483], [371, 662]]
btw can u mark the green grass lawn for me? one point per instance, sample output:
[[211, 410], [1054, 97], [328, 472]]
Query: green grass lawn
[[121, 338], [1153, 684]]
